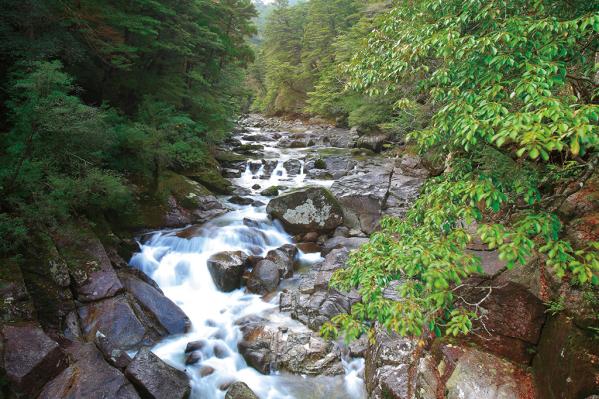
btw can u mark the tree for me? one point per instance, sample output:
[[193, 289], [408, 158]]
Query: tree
[[515, 112]]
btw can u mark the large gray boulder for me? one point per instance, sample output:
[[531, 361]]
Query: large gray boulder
[[226, 269], [307, 210], [155, 379], [363, 195], [89, 377]]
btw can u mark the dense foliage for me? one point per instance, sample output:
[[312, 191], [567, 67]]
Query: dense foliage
[[101, 93], [513, 91]]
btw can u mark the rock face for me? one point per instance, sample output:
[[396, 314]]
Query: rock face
[[89, 377], [156, 379], [31, 358], [116, 318], [363, 196], [339, 242], [240, 390], [226, 269], [398, 367], [566, 365], [264, 278], [169, 315], [314, 303], [307, 210], [91, 269]]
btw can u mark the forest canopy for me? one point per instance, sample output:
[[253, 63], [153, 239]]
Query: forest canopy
[[98, 94]]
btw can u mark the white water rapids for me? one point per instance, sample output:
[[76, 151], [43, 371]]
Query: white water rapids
[[179, 267]]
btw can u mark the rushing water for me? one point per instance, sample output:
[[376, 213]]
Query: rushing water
[[179, 267]]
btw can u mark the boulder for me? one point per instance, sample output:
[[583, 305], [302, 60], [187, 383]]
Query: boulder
[[403, 192], [309, 354], [257, 343], [270, 192], [31, 358], [169, 315], [284, 260], [121, 320], [240, 390], [89, 377], [264, 278], [238, 200], [307, 210], [480, 375], [226, 269], [293, 167], [155, 379], [363, 196]]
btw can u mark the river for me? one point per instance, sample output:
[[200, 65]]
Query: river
[[179, 266]]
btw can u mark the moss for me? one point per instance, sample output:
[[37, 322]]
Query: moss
[[212, 179], [320, 164], [271, 191]]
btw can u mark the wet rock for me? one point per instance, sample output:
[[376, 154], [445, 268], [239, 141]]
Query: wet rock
[[257, 343], [205, 371], [256, 187], [363, 196], [310, 237], [155, 379], [240, 390], [195, 346], [293, 167], [284, 260], [307, 210], [342, 242], [115, 357], [236, 199], [169, 315], [119, 322], [226, 269], [31, 358], [193, 358], [89, 377], [309, 247], [319, 174], [264, 278]]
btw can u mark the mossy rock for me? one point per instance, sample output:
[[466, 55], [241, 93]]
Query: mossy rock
[[212, 179], [185, 190], [272, 191], [15, 302]]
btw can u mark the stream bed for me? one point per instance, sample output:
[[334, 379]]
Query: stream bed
[[177, 261]]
